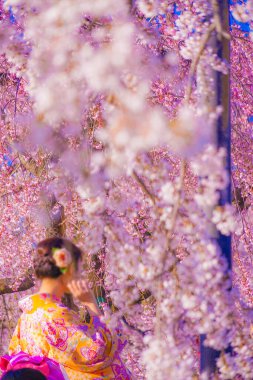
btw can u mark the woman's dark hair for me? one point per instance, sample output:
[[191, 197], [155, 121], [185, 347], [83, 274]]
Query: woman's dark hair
[[23, 374], [43, 262]]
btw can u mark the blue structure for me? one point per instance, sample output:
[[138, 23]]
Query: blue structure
[[208, 356]]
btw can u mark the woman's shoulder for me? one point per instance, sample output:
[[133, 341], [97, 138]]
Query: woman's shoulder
[[41, 307], [47, 302]]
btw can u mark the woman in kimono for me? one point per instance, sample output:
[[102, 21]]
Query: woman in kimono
[[84, 350]]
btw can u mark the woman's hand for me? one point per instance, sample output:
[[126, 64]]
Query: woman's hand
[[81, 291]]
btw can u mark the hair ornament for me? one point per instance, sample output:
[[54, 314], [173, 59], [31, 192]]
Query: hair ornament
[[62, 258]]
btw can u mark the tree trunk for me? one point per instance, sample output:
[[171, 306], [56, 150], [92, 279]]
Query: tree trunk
[[209, 356]]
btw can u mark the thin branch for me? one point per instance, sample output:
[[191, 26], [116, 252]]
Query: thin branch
[[168, 270], [180, 190], [15, 106], [195, 61], [144, 187], [217, 22], [163, 259], [142, 333], [6, 284]]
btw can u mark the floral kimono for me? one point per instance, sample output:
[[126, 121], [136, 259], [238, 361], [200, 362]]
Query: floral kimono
[[85, 350]]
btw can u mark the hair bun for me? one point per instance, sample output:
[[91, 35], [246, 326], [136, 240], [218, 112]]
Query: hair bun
[[44, 262], [41, 251]]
